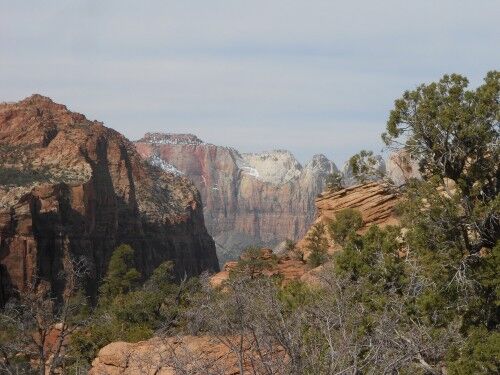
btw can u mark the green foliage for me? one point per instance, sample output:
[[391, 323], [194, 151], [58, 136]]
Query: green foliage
[[374, 257], [289, 245], [364, 167], [162, 277], [127, 312], [334, 181], [252, 262], [293, 251], [295, 294], [452, 219], [480, 354], [122, 275], [21, 177], [346, 223], [317, 244], [454, 134]]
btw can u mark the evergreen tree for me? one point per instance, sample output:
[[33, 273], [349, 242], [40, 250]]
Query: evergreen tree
[[334, 181], [365, 167], [345, 224], [121, 276], [317, 244]]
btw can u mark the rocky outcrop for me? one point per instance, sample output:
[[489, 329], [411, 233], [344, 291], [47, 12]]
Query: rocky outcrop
[[249, 199], [197, 355], [375, 201], [283, 266], [72, 188]]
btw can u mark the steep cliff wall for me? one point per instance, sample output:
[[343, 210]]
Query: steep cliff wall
[[73, 188], [248, 199], [375, 201]]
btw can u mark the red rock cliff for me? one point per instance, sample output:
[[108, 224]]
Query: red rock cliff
[[249, 199], [70, 187]]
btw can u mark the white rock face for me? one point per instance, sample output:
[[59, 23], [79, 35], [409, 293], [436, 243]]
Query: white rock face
[[276, 167], [320, 164], [248, 199], [400, 167]]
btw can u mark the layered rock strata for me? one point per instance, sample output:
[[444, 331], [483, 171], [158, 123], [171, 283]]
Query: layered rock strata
[[71, 188], [375, 201], [249, 199]]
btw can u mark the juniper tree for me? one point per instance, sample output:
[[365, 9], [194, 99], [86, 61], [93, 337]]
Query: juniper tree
[[317, 244], [453, 133]]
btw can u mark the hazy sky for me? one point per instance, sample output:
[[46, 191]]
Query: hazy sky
[[310, 76]]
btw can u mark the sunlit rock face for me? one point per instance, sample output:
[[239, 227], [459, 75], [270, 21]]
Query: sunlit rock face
[[375, 201], [73, 188], [401, 167], [249, 199]]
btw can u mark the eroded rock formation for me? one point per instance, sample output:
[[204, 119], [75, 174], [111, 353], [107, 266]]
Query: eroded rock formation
[[375, 201], [71, 188], [198, 355], [249, 199]]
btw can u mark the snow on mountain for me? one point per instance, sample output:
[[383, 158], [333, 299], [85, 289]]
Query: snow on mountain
[[171, 138], [276, 167], [169, 168]]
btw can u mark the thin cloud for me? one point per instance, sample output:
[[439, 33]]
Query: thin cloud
[[310, 76]]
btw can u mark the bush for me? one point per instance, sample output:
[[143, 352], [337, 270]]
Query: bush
[[334, 181], [317, 244], [122, 275], [252, 262], [346, 223], [18, 177]]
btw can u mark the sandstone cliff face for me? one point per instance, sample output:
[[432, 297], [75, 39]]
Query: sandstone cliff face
[[73, 188], [375, 201], [248, 199]]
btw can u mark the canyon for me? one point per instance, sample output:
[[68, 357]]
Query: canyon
[[210, 354], [71, 188], [249, 199]]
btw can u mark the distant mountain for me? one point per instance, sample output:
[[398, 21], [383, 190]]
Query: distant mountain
[[249, 199]]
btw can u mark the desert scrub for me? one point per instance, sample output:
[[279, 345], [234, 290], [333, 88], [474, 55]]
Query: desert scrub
[[10, 154], [18, 177]]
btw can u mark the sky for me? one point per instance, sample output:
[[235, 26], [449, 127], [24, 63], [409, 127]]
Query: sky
[[310, 76]]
